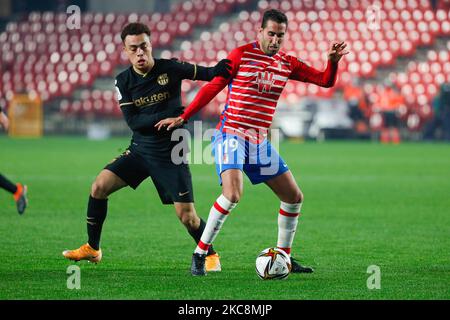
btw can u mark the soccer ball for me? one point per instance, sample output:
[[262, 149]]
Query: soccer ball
[[273, 263]]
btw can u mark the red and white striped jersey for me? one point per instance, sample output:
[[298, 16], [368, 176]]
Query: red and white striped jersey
[[254, 87]]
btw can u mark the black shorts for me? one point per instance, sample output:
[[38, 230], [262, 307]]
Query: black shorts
[[173, 182]]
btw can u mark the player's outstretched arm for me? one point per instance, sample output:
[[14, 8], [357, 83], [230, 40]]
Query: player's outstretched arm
[[326, 78], [207, 92], [221, 69], [337, 51], [4, 122], [203, 97]]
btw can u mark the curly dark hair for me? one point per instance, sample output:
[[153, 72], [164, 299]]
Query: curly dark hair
[[134, 28], [274, 15]]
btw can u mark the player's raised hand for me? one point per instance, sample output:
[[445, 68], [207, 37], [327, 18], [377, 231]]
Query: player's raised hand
[[4, 122], [222, 68], [169, 123], [337, 51]]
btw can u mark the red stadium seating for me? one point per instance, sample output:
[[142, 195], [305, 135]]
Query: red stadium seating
[[403, 26], [43, 45], [421, 81]]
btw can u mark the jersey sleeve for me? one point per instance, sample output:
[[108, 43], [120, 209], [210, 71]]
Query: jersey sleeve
[[191, 71], [184, 70], [300, 71], [123, 95], [211, 89]]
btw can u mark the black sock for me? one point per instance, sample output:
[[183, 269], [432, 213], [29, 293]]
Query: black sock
[[96, 215], [197, 234], [7, 185]]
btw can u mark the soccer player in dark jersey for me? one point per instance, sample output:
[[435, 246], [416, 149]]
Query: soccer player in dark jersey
[[260, 72], [18, 190], [148, 91]]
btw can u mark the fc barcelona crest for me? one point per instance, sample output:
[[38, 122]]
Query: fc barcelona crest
[[163, 79]]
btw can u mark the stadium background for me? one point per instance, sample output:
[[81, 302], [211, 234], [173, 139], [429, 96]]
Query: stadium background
[[71, 66], [69, 71]]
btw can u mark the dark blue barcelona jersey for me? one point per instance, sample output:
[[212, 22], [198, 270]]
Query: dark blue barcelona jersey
[[147, 99]]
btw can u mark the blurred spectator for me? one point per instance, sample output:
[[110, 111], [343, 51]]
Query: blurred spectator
[[441, 119], [439, 4], [162, 6], [389, 102], [357, 106], [434, 4]]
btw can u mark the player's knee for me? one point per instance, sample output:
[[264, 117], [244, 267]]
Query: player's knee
[[296, 197], [233, 196], [301, 197], [190, 222], [188, 217], [99, 189]]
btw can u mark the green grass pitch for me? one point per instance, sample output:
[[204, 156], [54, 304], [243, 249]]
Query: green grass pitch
[[365, 204]]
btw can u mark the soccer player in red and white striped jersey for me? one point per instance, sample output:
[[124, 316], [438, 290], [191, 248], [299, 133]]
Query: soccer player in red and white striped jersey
[[260, 72]]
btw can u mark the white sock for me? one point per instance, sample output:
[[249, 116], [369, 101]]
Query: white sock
[[287, 225], [217, 216]]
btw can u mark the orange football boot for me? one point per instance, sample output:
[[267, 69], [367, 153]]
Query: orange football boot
[[212, 263], [21, 198], [85, 252]]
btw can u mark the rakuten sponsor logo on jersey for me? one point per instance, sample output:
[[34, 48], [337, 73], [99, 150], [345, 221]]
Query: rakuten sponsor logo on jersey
[[151, 100]]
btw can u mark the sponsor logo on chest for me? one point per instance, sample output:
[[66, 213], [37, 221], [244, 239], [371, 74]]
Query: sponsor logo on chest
[[265, 81], [152, 99]]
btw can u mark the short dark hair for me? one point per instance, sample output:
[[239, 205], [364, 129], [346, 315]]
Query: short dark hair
[[134, 28], [274, 15]]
